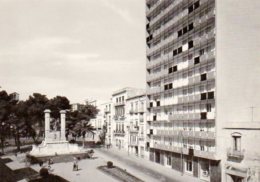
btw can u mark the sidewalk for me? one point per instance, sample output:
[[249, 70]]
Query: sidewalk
[[143, 168]]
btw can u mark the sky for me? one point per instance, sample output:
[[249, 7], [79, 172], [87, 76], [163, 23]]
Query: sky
[[81, 49]]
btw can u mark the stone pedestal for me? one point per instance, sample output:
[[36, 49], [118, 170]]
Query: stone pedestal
[[55, 142]]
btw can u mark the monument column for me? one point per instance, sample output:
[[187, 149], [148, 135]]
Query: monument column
[[63, 124], [47, 122]]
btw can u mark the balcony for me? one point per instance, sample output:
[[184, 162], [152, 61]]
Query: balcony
[[134, 129], [205, 154], [194, 80], [184, 116], [140, 110], [119, 133], [154, 76], [131, 111], [116, 117], [107, 111], [235, 154], [153, 90], [119, 104], [205, 135]]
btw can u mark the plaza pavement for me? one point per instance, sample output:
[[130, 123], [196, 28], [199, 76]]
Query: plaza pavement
[[144, 169]]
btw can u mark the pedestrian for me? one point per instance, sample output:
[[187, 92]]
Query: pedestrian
[[75, 164], [50, 161]]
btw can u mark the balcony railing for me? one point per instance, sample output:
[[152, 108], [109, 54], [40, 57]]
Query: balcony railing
[[238, 154], [119, 132], [205, 154], [119, 103], [107, 110]]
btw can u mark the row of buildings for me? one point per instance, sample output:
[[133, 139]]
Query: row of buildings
[[190, 148], [197, 114]]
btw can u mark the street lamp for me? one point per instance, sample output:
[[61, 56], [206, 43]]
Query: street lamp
[[128, 138]]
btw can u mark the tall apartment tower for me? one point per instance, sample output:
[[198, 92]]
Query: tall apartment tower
[[202, 71]]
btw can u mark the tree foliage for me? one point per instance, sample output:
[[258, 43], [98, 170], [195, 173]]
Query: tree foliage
[[26, 118]]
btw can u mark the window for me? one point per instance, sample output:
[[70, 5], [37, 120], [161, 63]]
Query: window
[[170, 70], [196, 4], [208, 107], [210, 95], [154, 117], [179, 50], [174, 68], [190, 8], [202, 148], [175, 52], [236, 142], [166, 87], [203, 115], [158, 103], [170, 86], [202, 51], [190, 44], [197, 60], [191, 26], [169, 160], [151, 104], [189, 166], [203, 77], [190, 56], [185, 30], [179, 33], [203, 96]]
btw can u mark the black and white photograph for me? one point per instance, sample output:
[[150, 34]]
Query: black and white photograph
[[129, 90]]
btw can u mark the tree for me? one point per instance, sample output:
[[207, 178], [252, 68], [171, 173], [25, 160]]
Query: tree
[[6, 105], [57, 104], [79, 121], [36, 104], [19, 122]]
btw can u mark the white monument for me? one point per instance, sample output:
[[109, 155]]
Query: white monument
[[55, 142]]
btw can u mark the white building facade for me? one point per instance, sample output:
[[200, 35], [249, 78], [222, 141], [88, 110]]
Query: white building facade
[[138, 142]]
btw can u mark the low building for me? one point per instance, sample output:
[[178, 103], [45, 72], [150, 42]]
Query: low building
[[14, 96], [242, 155], [76, 106]]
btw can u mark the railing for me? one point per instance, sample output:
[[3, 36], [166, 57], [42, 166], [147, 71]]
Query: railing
[[120, 104], [153, 76], [119, 132], [107, 110], [204, 154], [232, 153], [154, 90]]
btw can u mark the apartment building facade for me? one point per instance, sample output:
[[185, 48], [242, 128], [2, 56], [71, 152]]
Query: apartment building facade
[[119, 97], [193, 80], [108, 115], [138, 142]]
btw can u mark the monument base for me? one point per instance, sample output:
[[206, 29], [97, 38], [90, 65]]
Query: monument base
[[55, 148]]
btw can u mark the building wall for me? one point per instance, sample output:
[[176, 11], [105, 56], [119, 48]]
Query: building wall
[[136, 125], [181, 79], [237, 54]]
